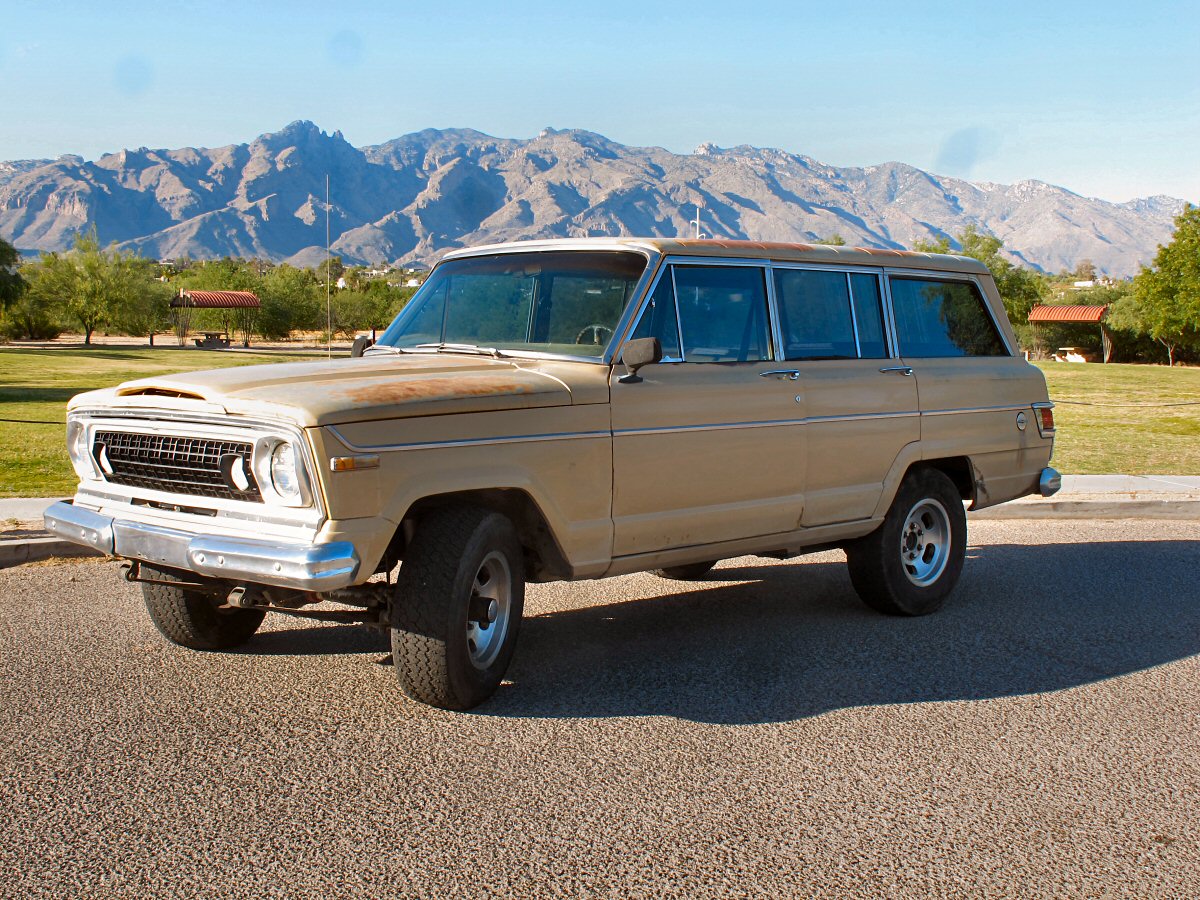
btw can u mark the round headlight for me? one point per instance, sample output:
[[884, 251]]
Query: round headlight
[[283, 471]]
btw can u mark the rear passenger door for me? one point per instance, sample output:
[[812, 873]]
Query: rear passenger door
[[705, 448], [971, 384], [861, 402]]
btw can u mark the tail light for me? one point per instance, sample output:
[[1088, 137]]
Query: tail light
[[1044, 414]]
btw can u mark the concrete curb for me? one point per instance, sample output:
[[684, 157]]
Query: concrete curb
[[14, 552], [1093, 509]]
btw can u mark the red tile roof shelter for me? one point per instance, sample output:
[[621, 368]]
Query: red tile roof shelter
[[216, 300], [1075, 314], [242, 309]]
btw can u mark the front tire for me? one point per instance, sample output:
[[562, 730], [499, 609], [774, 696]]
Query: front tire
[[909, 565], [193, 618], [457, 607]]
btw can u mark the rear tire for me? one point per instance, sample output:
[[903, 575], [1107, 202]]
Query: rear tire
[[689, 572], [909, 565], [193, 618], [457, 607]]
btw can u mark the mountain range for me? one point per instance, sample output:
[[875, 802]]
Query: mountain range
[[416, 196]]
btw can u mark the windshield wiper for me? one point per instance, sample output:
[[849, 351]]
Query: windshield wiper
[[384, 348], [464, 348]]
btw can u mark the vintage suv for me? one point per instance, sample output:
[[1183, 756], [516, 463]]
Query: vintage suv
[[563, 410]]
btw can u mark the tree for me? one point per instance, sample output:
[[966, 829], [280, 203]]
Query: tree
[[146, 305], [12, 285], [834, 240], [1020, 288], [1165, 302]]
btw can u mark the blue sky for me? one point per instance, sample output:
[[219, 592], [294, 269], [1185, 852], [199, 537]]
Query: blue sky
[[1102, 98]]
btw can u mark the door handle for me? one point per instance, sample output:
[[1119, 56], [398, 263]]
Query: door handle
[[903, 370], [789, 374]]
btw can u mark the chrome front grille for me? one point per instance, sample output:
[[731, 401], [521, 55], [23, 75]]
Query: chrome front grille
[[198, 467]]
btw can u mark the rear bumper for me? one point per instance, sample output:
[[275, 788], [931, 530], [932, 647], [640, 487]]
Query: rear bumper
[[1049, 482], [302, 567]]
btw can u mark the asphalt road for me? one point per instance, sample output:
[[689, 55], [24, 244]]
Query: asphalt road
[[758, 734]]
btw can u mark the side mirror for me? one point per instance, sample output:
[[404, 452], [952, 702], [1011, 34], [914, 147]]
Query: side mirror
[[638, 353], [361, 343]]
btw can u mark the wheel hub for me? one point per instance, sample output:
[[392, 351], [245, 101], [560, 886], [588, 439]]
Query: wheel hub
[[925, 542], [488, 610]]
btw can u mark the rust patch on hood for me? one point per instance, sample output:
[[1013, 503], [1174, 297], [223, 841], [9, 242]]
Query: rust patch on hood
[[409, 390]]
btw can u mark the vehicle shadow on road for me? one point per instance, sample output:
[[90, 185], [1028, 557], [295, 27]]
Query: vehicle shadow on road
[[783, 642]]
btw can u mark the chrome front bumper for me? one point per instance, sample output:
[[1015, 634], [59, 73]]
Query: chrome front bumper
[[302, 567]]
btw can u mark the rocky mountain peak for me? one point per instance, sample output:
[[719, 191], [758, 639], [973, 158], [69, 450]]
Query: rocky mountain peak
[[419, 194]]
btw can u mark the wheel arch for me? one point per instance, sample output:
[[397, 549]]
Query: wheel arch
[[958, 469], [544, 557]]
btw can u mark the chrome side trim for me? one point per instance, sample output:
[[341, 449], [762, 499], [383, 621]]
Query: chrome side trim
[[466, 442], [971, 409], [775, 423], [625, 432]]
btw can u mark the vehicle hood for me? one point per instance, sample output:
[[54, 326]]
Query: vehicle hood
[[346, 390]]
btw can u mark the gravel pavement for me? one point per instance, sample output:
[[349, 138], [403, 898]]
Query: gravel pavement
[[761, 733]]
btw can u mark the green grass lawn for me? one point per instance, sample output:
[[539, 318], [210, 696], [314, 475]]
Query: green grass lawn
[[1111, 419], [1124, 419], [36, 385]]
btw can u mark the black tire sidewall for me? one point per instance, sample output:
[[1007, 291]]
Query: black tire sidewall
[[875, 565], [472, 684]]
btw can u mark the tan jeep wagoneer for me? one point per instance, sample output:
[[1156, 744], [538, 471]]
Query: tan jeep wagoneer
[[564, 410]]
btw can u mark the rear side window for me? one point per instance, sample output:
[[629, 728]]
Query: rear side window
[[814, 314], [820, 311], [942, 318]]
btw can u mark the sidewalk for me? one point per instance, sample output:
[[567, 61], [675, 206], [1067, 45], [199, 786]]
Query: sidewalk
[[1082, 497]]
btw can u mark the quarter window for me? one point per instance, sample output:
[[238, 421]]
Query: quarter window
[[869, 315], [943, 319], [659, 319]]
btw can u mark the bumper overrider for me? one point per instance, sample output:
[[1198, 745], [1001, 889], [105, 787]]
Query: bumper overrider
[[302, 567]]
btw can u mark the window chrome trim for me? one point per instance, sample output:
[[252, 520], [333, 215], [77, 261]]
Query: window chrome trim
[[853, 316]]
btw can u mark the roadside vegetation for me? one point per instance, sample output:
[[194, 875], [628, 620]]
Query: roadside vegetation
[[91, 288], [1113, 418], [1136, 420], [35, 386]]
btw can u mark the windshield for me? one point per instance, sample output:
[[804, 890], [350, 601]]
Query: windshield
[[560, 302]]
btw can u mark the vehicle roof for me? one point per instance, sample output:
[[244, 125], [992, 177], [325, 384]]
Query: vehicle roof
[[709, 247]]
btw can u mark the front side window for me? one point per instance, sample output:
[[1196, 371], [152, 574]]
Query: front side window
[[560, 302], [942, 319], [722, 313]]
